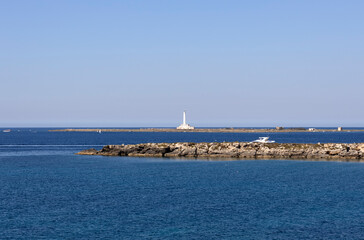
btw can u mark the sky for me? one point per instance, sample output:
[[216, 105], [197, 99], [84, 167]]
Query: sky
[[142, 63]]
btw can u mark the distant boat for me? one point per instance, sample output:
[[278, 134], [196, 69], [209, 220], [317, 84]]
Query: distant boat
[[99, 131], [6, 130], [263, 140]]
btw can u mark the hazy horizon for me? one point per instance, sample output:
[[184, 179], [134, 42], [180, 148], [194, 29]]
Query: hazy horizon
[[141, 63]]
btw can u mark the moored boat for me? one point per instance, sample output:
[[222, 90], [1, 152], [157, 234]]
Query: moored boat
[[263, 140]]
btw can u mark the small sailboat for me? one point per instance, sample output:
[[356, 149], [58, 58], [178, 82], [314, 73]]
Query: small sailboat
[[99, 131], [263, 140]]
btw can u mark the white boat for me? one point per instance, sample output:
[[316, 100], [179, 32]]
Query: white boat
[[263, 140], [99, 131], [6, 130]]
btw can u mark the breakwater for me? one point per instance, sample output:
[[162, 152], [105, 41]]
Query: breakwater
[[236, 150], [212, 130]]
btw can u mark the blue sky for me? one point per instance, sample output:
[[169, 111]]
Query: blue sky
[[141, 63]]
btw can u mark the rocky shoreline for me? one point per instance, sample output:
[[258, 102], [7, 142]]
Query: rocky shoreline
[[236, 150]]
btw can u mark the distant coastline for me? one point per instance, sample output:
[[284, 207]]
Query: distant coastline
[[213, 130]]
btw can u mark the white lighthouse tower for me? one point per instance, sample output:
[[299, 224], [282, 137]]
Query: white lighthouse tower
[[184, 125]]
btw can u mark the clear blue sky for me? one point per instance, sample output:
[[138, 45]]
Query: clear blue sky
[[141, 63]]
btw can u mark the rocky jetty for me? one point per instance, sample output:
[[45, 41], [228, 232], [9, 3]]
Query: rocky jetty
[[237, 150], [199, 130]]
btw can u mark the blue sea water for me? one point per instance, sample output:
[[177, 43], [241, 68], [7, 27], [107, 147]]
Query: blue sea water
[[47, 192]]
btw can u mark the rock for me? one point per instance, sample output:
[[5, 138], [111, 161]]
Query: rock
[[91, 151], [202, 149], [235, 150]]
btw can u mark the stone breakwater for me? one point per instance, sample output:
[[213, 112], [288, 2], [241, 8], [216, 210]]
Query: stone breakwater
[[199, 130], [238, 150]]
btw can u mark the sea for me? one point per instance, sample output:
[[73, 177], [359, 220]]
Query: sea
[[48, 192]]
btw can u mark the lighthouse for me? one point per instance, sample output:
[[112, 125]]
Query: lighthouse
[[184, 125]]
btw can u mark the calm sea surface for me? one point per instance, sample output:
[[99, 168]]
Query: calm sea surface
[[47, 192]]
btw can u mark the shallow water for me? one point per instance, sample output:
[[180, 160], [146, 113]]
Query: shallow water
[[48, 192]]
